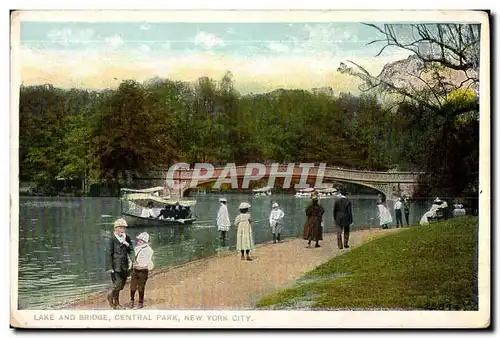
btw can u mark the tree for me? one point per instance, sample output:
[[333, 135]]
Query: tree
[[445, 58]]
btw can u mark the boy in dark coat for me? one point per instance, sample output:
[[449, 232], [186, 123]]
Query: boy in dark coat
[[119, 261]]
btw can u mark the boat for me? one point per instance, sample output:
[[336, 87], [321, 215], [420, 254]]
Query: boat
[[266, 191], [134, 208], [304, 193], [327, 193]]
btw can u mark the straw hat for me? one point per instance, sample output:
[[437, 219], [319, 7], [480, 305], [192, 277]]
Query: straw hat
[[222, 199], [244, 205], [120, 223], [144, 236]]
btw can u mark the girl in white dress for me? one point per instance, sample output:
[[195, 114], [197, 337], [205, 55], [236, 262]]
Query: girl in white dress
[[244, 237], [384, 215]]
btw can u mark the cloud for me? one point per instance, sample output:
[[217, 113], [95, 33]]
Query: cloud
[[97, 69], [145, 48], [114, 41], [278, 47], [207, 40], [67, 36], [145, 27]]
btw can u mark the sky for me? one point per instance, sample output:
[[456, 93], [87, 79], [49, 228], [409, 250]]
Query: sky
[[261, 56]]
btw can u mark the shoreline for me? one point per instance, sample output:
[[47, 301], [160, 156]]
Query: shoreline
[[222, 281]]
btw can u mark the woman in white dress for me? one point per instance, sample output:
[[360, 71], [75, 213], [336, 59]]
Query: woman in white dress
[[223, 222], [244, 237], [384, 215], [432, 211]]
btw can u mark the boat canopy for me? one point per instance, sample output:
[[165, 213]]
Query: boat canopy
[[145, 191], [327, 190], [306, 190], [146, 198], [265, 189]]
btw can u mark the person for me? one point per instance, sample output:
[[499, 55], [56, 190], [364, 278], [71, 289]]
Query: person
[[458, 210], [148, 211], [342, 218], [142, 264], [444, 207], [406, 207], [312, 228], [119, 261], [276, 222], [244, 236], [223, 220], [432, 211], [397, 210], [177, 210], [384, 216], [164, 212]]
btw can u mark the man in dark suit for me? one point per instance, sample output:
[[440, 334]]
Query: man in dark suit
[[118, 261], [342, 217]]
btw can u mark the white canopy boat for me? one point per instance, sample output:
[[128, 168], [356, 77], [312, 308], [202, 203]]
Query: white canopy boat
[[266, 191], [304, 193], [146, 207]]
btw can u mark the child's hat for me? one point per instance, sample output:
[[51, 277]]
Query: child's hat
[[144, 236], [275, 205], [244, 205]]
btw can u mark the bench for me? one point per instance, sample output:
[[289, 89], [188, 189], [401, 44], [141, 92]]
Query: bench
[[438, 217]]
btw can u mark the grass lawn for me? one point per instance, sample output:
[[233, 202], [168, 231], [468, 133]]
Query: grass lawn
[[431, 267]]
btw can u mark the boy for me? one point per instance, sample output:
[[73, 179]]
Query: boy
[[143, 262]]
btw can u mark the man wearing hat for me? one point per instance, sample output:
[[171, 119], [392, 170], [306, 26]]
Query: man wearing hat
[[223, 221], [342, 218], [276, 221], [119, 261]]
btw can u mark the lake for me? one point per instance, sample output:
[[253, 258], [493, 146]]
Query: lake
[[62, 241]]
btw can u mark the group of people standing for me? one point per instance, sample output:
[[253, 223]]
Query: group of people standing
[[124, 259], [385, 217], [243, 223], [342, 220]]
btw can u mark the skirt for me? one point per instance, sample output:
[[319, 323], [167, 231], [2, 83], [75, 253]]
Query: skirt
[[244, 237]]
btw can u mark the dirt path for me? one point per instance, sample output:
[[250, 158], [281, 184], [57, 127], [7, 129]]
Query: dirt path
[[226, 282]]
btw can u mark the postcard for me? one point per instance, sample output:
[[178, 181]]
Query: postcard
[[250, 169]]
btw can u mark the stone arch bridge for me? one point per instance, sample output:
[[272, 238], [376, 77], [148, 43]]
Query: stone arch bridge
[[389, 183]]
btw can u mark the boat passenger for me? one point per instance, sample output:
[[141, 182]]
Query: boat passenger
[[148, 211]]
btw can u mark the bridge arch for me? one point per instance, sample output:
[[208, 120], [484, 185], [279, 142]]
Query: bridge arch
[[387, 183]]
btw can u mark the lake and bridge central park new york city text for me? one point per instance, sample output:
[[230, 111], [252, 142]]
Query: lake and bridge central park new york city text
[[146, 317]]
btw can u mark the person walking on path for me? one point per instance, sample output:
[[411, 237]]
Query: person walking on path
[[119, 261], [312, 229], [223, 221], [342, 218], [397, 210], [143, 262], [244, 236], [384, 216], [276, 221], [406, 208]]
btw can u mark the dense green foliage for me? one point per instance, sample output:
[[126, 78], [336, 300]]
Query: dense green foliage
[[115, 135], [430, 267]]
